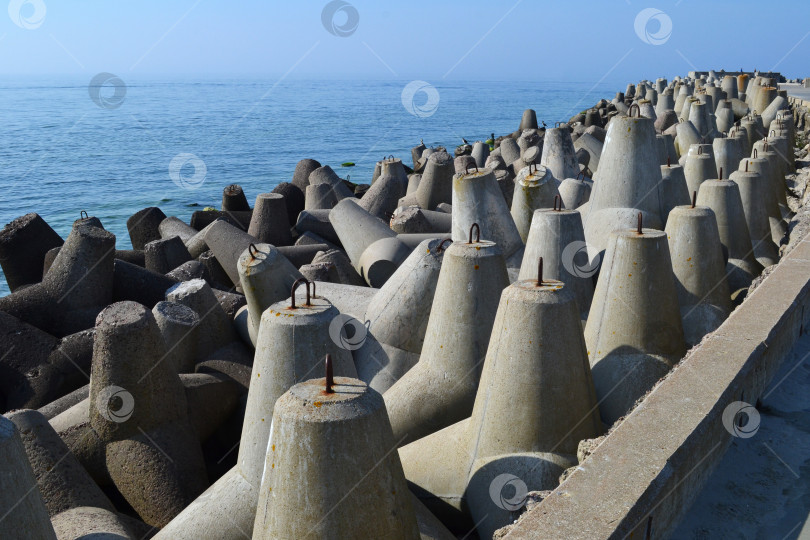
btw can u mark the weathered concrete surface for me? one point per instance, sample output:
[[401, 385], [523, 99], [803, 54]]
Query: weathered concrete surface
[[654, 463]]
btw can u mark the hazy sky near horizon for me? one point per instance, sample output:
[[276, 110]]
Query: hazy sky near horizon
[[607, 40]]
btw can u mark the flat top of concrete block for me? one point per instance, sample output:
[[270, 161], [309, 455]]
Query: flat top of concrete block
[[177, 313], [123, 314]]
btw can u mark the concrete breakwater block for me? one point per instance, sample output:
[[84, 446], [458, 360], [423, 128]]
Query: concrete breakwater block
[[26, 515], [534, 189], [699, 269], [23, 245], [75, 503], [478, 199], [440, 389], [397, 319], [292, 341], [634, 332], [76, 288], [628, 181], [144, 226], [723, 197], [344, 428], [535, 363], [269, 223], [557, 236]]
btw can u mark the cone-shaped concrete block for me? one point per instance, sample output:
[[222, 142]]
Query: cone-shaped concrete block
[[517, 386], [414, 220], [138, 408], [228, 243], [727, 154], [23, 245], [478, 199], [381, 259], [325, 175], [382, 197], [593, 147], [699, 269], [676, 192], [347, 275], [754, 192], [723, 197], [557, 236], [357, 229], [293, 200], [215, 329], [349, 439], [529, 120], [436, 186], [234, 199], [775, 174], [144, 226], [634, 332], [77, 286], [761, 166], [559, 155], [628, 180], [480, 153], [397, 318], [699, 166], [535, 188], [178, 325], [575, 192], [440, 389], [270, 223], [166, 254], [686, 136], [510, 151], [266, 277], [25, 515], [302, 171], [173, 226]]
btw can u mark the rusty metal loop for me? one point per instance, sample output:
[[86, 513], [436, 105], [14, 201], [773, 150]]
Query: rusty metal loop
[[630, 111], [669, 159], [295, 285], [477, 233], [84, 215], [330, 378], [441, 247], [557, 199], [765, 145], [580, 173], [721, 173], [251, 248], [467, 168], [700, 150], [694, 198], [755, 153], [639, 230]]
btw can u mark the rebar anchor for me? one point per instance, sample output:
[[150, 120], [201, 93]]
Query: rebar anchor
[[295, 285]]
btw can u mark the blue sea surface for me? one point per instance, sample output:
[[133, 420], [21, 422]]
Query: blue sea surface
[[61, 153]]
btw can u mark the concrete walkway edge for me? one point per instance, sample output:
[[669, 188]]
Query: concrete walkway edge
[[645, 475]]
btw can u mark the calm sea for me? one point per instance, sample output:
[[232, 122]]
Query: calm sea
[[61, 152]]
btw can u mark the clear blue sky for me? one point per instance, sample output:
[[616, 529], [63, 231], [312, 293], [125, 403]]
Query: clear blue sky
[[429, 40]]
